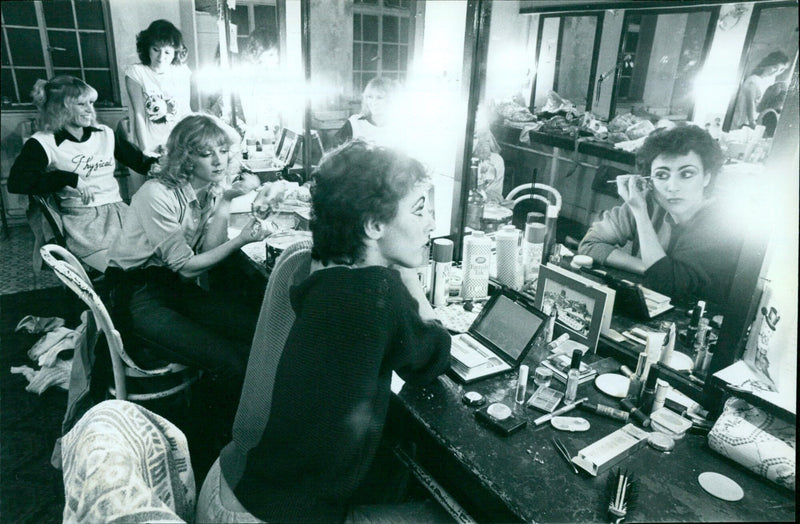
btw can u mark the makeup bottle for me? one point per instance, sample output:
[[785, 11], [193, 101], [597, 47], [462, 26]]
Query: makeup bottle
[[669, 343], [522, 385], [532, 247], [551, 217], [477, 251], [442, 261], [509, 270], [649, 392], [475, 200], [573, 375], [635, 384], [697, 314], [700, 345]]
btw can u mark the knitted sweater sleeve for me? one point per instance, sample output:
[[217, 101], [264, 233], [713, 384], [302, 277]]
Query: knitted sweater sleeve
[[615, 228], [421, 349]]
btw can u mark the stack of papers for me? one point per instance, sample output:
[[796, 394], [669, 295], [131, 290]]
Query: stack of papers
[[656, 302]]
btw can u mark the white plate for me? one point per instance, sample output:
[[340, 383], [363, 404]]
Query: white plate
[[720, 486], [680, 361], [612, 384]]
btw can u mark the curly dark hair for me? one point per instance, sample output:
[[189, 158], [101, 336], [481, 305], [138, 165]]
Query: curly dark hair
[[680, 141], [353, 184], [161, 32]]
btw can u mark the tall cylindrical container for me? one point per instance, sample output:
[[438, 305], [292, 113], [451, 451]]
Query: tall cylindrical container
[[475, 264], [551, 217], [532, 249], [442, 255], [509, 270]]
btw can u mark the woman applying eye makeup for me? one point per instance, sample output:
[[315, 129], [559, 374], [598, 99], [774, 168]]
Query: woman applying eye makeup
[[681, 242]]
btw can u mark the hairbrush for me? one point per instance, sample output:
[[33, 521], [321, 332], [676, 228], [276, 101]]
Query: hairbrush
[[621, 495]]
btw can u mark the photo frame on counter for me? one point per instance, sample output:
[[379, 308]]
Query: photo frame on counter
[[583, 307]]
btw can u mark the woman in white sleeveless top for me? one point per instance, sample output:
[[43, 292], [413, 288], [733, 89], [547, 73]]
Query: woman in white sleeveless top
[[159, 88]]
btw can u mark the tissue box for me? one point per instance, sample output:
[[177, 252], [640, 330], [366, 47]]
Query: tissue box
[[756, 440]]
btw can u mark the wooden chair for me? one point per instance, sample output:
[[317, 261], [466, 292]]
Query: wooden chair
[[70, 271]]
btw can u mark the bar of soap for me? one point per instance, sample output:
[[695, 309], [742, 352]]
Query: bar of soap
[[570, 423]]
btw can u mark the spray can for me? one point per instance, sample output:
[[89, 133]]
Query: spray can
[[532, 248], [551, 217], [442, 261], [477, 250]]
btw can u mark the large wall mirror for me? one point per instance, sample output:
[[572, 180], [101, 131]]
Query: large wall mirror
[[660, 60], [768, 63], [660, 55], [566, 58]]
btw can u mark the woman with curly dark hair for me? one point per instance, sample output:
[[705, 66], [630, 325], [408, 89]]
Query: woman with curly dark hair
[[680, 238], [159, 87], [360, 314]]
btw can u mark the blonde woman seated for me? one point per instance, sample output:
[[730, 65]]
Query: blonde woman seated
[[74, 157], [681, 240], [177, 230], [374, 122]]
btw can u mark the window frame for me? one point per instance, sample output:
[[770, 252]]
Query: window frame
[[380, 10], [41, 25]]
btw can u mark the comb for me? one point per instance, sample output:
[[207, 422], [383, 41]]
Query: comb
[[622, 495]]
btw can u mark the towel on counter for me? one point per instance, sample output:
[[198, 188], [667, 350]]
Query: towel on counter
[[123, 463]]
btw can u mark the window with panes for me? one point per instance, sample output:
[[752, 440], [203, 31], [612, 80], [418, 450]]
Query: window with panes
[[382, 40], [249, 16], [42, 39]]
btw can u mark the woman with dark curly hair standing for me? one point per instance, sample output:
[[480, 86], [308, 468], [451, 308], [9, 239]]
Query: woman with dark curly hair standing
[[682, 241], [159, 87]]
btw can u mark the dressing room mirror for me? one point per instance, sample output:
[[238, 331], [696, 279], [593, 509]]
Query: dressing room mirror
[[566, 59], [521, 53], [415, 50], [767, 66], [660, 55]]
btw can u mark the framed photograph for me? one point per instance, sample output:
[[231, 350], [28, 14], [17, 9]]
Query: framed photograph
[[287, 147], [582, 307]]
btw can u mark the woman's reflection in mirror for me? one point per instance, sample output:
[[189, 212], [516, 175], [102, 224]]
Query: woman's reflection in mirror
[[754, 87], [681, 240], [373, 123]]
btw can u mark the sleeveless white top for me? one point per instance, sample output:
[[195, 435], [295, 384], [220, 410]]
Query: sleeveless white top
[[166, 98], [92, 160]]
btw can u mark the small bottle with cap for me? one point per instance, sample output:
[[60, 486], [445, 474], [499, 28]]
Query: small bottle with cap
[[573, 375]]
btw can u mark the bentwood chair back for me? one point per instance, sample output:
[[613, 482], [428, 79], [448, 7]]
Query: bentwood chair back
[[70, 271]]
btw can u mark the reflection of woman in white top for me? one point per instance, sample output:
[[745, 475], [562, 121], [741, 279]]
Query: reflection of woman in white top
[[159, 88], [753, 88], [373, 122]]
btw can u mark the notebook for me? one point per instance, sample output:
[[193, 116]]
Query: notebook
[[499, 339]]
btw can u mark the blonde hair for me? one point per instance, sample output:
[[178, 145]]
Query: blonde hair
[[55, 98], [194, 133]]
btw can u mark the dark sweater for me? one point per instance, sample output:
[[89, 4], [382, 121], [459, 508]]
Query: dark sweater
[[332, 390], [700, 255]]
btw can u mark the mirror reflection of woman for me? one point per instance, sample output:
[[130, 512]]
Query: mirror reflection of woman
[[682, 242], [753, 88], [159, 87], [373, 123]]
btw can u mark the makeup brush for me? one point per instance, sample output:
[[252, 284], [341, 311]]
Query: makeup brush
[[614, 181], [622, 495]]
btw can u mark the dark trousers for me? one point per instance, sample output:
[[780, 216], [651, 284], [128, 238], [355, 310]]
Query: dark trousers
[[180, 322]]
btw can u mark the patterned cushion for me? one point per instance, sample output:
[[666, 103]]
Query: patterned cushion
[[756, 440]]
